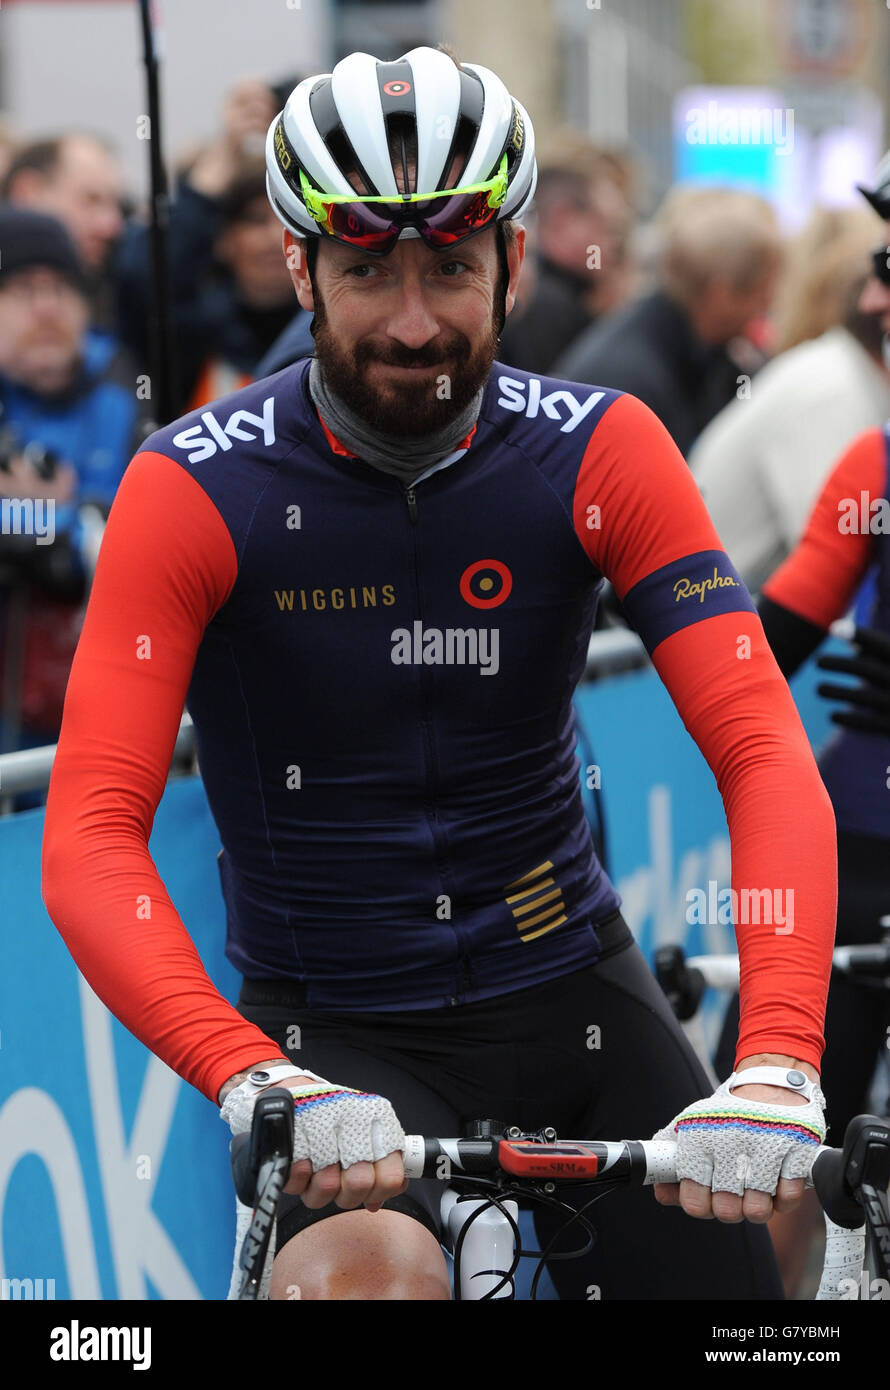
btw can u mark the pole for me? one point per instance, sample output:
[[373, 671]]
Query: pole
[[161, 338]]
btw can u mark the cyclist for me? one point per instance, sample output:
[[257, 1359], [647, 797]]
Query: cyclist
[[814, 586], [373, 575], [844, 554]]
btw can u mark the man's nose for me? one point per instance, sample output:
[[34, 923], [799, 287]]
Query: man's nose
[[46, 310], [412, 321], [875, 297]]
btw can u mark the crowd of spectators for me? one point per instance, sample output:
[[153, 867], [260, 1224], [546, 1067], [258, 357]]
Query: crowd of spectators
[[760, 462], [77, 394], [683, 309], [681, 347]]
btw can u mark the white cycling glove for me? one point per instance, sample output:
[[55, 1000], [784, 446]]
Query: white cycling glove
[[332, 1124], [729, 1143]]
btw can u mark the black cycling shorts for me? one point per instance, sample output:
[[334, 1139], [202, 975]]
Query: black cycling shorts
[[596, 1053]]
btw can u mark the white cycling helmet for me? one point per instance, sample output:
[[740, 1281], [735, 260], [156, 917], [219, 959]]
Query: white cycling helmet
[[346, 121]]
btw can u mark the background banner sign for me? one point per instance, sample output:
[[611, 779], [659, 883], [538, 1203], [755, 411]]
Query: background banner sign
[[114, 1174]]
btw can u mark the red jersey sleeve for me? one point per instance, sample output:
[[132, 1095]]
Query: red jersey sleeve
[[641, 518], [166, 565], [823, 572]]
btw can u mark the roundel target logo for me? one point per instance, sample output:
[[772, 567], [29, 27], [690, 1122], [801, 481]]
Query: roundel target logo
[[486, 583], [397, 87]]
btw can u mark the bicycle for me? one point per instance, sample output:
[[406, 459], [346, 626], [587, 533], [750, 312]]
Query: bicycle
[[685, 979], [503, 1163]]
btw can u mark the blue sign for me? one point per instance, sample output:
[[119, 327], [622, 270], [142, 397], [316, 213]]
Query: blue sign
[[114, 1178], [731, 136]]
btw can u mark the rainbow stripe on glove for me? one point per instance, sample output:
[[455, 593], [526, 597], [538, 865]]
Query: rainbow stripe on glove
[[751, 1123], [307, 1097]]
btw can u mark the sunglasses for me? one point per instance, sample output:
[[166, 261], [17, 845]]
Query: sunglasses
[[880, 261], [374, 223]]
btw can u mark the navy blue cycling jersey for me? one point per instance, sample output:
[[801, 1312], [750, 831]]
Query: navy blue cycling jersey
[[383, 706], [381, 682]]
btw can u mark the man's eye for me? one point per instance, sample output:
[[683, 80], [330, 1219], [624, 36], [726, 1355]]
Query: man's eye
[[461, 265], [362, 265]]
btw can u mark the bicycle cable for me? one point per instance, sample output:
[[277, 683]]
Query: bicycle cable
[[492, 1201], [545, 1199], [577, 1215]]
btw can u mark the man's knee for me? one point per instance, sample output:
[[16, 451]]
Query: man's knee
[[361, 1255]]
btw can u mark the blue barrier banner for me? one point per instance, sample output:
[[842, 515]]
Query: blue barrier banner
[[114, 1180], [667, 831]]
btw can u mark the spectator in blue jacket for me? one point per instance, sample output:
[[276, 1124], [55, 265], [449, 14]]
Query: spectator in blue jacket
[[70, 419]]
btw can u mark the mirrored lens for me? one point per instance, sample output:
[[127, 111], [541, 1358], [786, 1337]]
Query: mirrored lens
[[361, 225], [456, 218], [441, 222]]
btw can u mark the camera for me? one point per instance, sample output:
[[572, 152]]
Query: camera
[[44, 462]]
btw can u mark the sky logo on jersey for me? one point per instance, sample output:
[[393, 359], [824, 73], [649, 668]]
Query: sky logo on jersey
[[218, 436], [556, 405]]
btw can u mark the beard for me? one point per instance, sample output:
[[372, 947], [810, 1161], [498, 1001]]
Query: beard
[[405, 408]]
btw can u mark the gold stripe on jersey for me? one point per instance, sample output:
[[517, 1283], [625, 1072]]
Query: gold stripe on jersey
[[533, 897]]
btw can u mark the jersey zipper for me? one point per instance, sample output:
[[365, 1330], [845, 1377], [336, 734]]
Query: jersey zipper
[[432, 767]]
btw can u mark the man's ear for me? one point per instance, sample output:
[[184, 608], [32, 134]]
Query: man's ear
[[28, 188], [295, 255], [515, 257]]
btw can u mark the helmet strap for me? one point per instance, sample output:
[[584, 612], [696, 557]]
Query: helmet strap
[[312, 245], [503, 281]]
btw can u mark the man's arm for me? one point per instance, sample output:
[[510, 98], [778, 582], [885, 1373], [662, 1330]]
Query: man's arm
[[817, 582], [166, 564], [658, 546]]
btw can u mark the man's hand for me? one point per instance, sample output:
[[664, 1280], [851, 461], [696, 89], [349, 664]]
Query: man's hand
[[865, 707], [361, 1183], [753, 1204], [248, 112], [250, 109], [20, 479]]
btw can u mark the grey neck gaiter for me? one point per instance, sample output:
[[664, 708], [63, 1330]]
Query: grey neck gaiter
[[404, 457]]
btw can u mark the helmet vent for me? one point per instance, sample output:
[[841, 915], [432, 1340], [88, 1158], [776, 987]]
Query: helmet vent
[[342, 152]]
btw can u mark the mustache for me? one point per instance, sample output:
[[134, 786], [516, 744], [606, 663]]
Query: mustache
[[423, 357]]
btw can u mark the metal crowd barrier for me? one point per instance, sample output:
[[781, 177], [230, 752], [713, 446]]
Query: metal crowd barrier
[[610, 652]]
